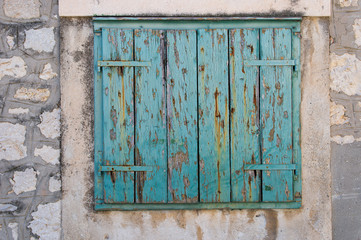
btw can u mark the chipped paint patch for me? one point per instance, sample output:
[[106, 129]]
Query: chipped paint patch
[[337, 114], [345, 73]]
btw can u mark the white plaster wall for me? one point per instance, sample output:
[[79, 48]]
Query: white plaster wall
[[192, 7], [80, 221]]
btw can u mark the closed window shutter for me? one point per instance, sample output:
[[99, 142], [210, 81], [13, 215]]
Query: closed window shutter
[[197, 116]]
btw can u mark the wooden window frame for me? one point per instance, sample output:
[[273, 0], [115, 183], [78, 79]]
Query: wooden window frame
[[195, 23]]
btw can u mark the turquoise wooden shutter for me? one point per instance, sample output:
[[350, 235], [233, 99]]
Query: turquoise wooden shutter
[[193, 117]]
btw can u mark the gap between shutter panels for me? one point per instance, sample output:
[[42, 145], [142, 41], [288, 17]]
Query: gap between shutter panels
[[172, 111]]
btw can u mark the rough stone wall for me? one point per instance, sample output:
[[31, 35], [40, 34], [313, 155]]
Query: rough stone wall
[[80, 221], [345, 73], [29, 120]]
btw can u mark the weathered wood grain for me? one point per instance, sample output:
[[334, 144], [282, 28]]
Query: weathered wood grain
[[296, 121], [276, 114], [214, 157], [182, 116], [150, 117], [98, 121], [244, 90], [118, 115]]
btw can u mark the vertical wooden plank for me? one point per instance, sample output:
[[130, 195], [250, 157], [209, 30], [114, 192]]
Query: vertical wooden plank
[[244, 45], [118, 115], [296, 102], [151, 144], [98, 121], [276, 114], [182, 116], [214, 157]]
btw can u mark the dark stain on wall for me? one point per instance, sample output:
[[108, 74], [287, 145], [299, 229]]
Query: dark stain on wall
[[271, 224]]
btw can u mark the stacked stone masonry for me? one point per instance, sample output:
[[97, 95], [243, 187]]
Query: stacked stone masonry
[[29, 120], [345, 83]]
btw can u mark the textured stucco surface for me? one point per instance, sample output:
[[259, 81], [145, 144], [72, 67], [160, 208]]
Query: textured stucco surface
[[190, 7], [80, 221]]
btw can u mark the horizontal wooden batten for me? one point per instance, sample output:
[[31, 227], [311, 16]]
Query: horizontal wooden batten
[[270, 167], [123, 64], [269, 62], [198, 206], [126, 168]]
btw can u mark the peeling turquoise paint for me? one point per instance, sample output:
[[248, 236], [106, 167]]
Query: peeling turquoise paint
[[188, 117]]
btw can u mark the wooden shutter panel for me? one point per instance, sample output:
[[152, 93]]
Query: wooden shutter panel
[[150, 117], [213, 104], [118, 115], [182, 116], [276, 114], [244, 89]]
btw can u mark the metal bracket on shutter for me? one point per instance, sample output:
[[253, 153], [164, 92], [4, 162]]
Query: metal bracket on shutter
[[248, 63], [296, 67], [119, 168], [123, 64]]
